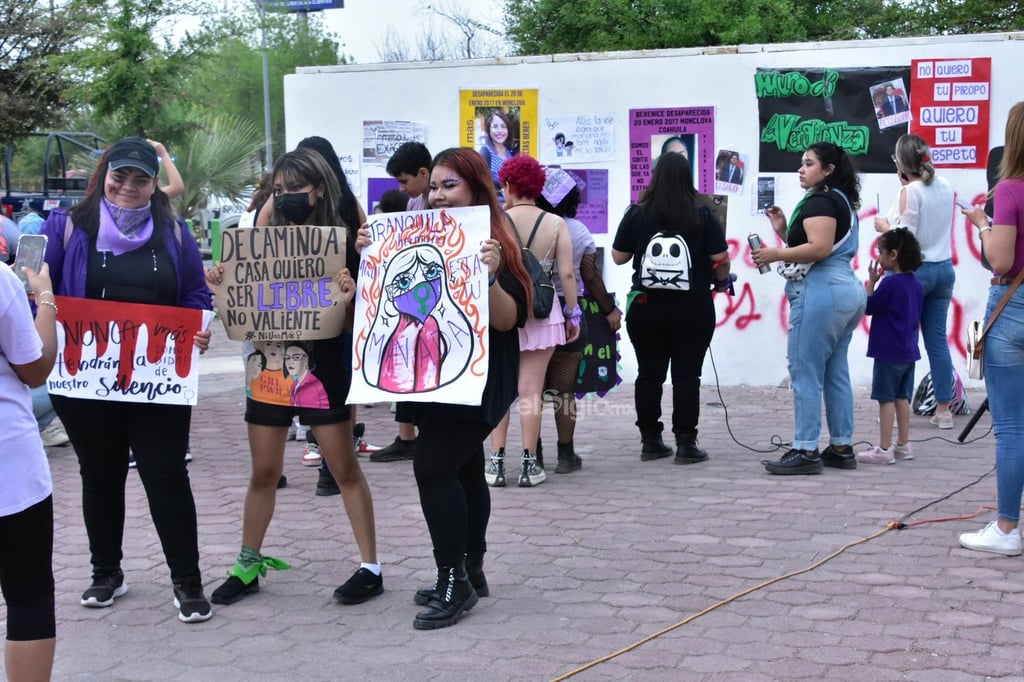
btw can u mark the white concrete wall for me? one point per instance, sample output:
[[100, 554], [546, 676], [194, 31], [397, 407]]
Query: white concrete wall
[[333, 102]]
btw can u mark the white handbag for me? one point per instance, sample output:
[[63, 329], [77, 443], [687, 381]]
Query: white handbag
[[976, 334]]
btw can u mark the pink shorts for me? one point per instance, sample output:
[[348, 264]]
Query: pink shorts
[[546, 333]]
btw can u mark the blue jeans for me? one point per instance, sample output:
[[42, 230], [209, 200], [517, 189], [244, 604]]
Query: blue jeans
[[1004, 375], [41, 406], [937, 280], [824, 310]]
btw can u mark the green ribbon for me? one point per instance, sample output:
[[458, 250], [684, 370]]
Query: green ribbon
[[247, 575]]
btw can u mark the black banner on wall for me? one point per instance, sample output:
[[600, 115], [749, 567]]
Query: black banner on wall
[[849, 107]]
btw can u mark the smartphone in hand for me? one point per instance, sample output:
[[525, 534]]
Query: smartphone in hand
[[31, 250]]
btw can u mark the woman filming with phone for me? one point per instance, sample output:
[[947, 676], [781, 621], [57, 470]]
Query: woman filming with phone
[[27, 351]]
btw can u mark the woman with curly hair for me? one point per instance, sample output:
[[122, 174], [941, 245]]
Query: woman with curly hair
[[547, 236]]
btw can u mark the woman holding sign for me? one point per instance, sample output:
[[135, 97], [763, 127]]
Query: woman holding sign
[[449, 457], [318, 374], [122, 243]]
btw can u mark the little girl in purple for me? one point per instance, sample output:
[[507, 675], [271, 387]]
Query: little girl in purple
[[895, 309]]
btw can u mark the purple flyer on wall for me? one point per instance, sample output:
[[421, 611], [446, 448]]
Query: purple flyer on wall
[[689, 131], [593, 208]]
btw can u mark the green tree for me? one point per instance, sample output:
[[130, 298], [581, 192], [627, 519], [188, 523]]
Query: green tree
[[130, 82], [32, 84], [551, 26], [219, 158], [230, 78]]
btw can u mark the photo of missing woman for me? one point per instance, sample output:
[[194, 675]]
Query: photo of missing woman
[[685, 144], [497, 136]]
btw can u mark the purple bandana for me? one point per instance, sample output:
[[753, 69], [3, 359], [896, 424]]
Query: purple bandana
[[123, 229]]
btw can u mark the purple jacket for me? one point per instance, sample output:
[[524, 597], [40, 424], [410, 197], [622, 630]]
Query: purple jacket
[[68, 267]]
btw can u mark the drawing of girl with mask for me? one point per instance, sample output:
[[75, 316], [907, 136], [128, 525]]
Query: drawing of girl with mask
[[420, 339]]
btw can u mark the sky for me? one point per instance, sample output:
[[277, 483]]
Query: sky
[[362, 24]]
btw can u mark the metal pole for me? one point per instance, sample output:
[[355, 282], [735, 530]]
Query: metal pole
[[269, 158]]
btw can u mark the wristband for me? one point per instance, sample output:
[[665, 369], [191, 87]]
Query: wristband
[[572, 315], [44, 293], [725, 285], [49, 303], [987, 228]]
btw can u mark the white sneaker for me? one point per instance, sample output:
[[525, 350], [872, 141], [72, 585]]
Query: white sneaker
[[876, 454], [494, 470], [529, 473], [991, 539], [903, 451], [54, 435], [943, 421], [311, 457]]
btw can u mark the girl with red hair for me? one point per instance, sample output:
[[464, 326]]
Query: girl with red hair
[[547, 236]]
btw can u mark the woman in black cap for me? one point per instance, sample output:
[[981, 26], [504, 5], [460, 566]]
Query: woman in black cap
[[123, 243]]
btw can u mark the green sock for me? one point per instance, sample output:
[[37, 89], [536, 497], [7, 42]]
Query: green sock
[[248, 558]]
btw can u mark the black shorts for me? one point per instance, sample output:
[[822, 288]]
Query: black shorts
[[265, 414]]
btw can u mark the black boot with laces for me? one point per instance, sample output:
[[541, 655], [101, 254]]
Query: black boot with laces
[[455, 594]]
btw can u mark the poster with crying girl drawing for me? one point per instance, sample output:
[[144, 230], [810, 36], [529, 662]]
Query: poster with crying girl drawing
[[421, 309]]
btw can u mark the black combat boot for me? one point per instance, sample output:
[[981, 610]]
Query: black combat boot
[[568, 460], [688, 451], [455, 594], [475, 570], [653, 446]]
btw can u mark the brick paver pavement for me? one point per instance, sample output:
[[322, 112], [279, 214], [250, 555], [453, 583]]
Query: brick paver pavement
[[583, 566]]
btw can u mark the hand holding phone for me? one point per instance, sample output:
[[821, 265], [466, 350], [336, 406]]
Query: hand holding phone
[[31, 250]]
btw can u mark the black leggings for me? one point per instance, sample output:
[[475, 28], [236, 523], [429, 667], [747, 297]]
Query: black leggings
[[449, 468], [26, 572], [102, 433]]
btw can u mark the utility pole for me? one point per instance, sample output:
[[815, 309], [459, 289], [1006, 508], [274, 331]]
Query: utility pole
[[268, 160]]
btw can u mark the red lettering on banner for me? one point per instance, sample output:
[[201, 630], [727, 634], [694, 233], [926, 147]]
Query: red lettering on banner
[[79, 316]]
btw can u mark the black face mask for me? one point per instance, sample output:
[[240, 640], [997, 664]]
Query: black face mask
[[294, 207]]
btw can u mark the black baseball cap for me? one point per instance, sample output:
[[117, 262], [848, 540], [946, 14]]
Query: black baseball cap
[[134, 152]]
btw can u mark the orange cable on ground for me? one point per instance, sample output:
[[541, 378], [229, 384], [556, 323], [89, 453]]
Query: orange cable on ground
[[892, 525]]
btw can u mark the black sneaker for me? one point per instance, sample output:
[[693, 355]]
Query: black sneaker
[[104, 589], [361, 586], [795, 462], [397, 451], [191, 602], [233, 589], [835, 458], [326, 485]]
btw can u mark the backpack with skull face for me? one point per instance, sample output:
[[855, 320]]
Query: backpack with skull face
[[666, 263]]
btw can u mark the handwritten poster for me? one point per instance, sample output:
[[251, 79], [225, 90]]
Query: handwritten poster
[[578, 139], [798, 107], [127, 352], [280, 282], [421, 313], [598, 372], [382, 138], [689, 131], [952, 104]]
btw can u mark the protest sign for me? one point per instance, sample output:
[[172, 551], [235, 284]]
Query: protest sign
[[421, 311], [280, 283], [127, 352]]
